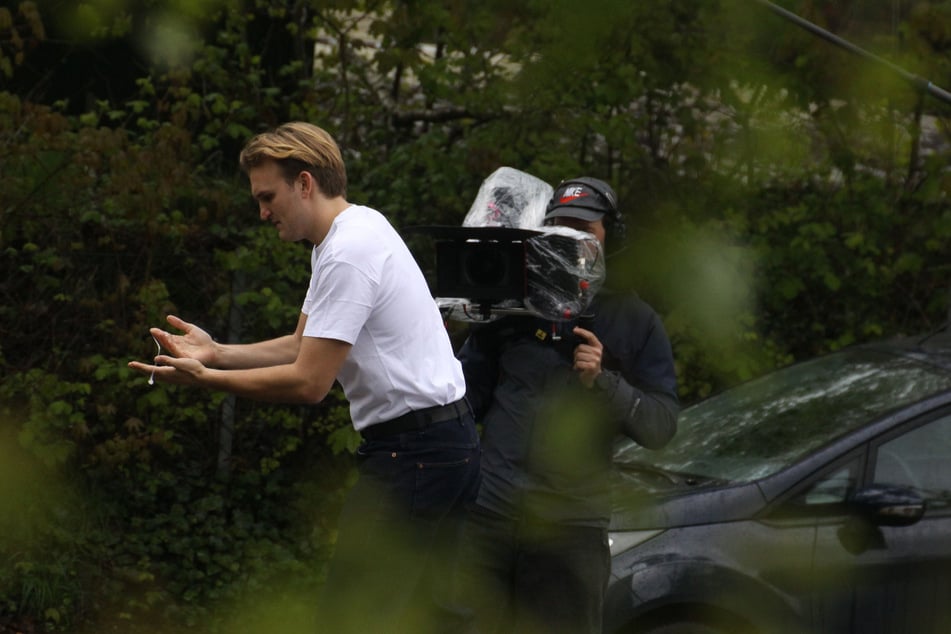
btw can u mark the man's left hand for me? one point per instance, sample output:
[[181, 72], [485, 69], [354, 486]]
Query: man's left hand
[[172, 370]]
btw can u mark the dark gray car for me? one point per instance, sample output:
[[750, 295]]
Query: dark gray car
[[815, 499]]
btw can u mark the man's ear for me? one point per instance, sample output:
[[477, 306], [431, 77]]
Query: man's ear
[[308, 185]]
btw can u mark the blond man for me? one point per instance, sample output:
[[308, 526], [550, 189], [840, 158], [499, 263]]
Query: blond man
[[369, 323]]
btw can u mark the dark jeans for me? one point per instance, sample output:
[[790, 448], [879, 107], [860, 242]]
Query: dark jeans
[[399, 529], [531, 576]]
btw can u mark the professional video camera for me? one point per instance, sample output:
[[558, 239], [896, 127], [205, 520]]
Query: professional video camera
[[503, 261]]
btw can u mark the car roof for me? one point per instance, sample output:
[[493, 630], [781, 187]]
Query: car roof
[[934, 348]]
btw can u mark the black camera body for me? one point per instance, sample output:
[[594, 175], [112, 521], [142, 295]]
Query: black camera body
[[484, 264], [503, 260], [487, 272]]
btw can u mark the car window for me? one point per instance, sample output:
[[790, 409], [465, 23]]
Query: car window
[[833, 489], [921, 459], [827, 495]]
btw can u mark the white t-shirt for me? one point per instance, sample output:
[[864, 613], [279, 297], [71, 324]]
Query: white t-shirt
[[367, 290]]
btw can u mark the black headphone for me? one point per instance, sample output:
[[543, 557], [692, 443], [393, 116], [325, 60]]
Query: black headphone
[[613, 221]]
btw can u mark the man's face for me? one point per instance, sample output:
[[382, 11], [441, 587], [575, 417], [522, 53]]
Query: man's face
[[280, 202], [594, 227]]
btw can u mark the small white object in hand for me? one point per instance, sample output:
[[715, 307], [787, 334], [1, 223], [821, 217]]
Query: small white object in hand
[[158, 350]]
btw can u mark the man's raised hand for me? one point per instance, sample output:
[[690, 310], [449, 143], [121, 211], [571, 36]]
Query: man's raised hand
[[194, 343]]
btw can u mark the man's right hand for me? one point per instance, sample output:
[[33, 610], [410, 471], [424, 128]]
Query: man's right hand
[[195, 343]]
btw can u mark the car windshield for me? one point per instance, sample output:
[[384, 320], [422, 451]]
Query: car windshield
[[757, 428]]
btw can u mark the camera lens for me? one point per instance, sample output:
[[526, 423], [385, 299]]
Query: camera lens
[[484, 265]]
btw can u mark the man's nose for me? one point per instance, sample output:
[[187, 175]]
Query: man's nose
[[265, 213]]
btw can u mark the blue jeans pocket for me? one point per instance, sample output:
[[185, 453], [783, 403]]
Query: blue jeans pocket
[[444, 482]]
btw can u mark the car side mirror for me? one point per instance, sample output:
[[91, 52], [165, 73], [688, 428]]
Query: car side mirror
[[887, 505]]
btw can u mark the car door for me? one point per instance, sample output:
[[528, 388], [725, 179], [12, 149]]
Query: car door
[[877, 579], [824, 588]]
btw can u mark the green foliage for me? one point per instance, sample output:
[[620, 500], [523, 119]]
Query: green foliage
[[863, 269], [112, 219], [41, 571], [21, 28], [777, 205]]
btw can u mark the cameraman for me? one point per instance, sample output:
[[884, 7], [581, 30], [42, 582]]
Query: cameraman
[[536, 556], [368, 321]]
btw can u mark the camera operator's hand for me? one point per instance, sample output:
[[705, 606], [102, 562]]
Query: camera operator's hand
[[171, 370], [587, 357], [194, 344]]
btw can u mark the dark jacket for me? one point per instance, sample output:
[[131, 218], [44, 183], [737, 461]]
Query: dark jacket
[[547, 441]]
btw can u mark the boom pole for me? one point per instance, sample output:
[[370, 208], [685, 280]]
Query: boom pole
[[920, 84]]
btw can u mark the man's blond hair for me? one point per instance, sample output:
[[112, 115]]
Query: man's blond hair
[[297, 147]]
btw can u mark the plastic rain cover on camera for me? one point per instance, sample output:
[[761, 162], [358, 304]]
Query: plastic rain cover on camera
[[509, 198], [564, 267]]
